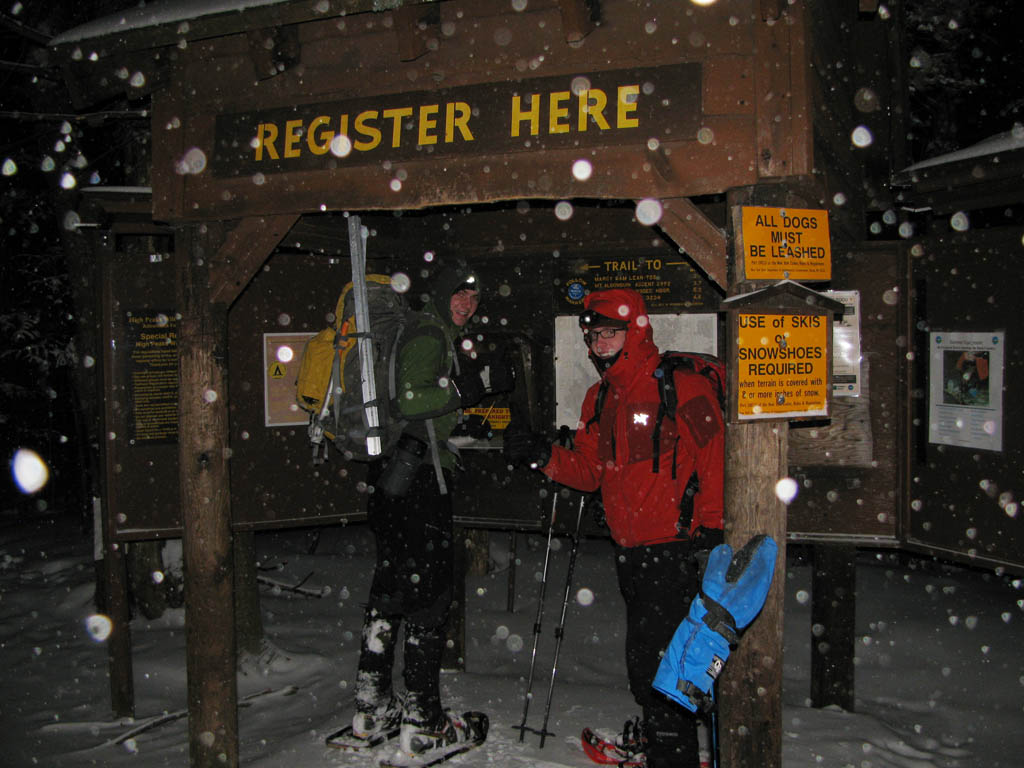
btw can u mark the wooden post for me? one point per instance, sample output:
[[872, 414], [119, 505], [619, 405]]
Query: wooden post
[[114, 568], [833, 616], [205, 508], [119, 643], [750, 689], [248, 619]]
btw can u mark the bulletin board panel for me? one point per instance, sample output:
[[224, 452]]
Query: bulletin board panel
[[841, 495], [140, 403], [963, 499]]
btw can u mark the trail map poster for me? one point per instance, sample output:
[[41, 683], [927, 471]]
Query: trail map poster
[[965, 389]]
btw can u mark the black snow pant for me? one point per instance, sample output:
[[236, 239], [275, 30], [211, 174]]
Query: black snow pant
[[658, 583], [412, 581]]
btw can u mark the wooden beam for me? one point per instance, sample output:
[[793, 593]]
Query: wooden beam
[[417, 29], [205, 495], [784, 135], [274, 50], [833, 625], [243, 252], [696, 234], [577, 19]]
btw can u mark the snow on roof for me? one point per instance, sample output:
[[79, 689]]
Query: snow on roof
[[1001, 142], [118, 190], [154, 15]]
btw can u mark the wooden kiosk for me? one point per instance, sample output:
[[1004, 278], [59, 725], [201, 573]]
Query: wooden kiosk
[[528, 138]]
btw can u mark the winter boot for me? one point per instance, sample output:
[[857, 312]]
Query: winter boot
[[628, 748], [448, 734], [377, 724], [632, 740]]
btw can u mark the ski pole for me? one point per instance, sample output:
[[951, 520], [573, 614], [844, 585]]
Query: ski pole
[[714, 738], [560, 629], [537, 621]]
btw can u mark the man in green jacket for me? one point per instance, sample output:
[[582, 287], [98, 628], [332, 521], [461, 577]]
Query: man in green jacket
[[410, 513]]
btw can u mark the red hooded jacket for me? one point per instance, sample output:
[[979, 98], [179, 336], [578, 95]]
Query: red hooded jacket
[[615, 453]]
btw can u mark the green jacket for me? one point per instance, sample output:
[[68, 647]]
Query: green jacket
[[423, 384]]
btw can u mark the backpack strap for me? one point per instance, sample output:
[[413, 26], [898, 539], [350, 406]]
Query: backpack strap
[[668, 401], [602, 392]]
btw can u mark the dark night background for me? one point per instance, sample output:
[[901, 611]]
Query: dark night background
[[963, 75]]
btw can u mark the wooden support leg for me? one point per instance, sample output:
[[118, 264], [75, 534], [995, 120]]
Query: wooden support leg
[[833, 615], [206, 515], [119, 643], [750, 689]]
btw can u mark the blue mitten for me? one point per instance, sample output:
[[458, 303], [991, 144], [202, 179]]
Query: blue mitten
[[733, 592]]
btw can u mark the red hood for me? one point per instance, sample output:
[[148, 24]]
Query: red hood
[[626, 304]]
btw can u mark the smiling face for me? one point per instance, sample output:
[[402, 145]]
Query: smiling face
[[605, 342], [463, 305]]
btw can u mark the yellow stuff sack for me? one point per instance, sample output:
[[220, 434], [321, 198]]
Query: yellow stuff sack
[[329, 380]]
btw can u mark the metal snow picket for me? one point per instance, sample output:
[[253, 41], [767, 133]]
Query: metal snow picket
[[559, 630], [357, 236]]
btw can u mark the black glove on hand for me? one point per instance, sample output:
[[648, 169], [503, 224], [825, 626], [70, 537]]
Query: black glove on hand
[[525, 447], [470, 388], [702, 542]]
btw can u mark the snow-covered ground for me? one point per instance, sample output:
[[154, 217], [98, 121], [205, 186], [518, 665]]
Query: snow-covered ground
[[939, 681]]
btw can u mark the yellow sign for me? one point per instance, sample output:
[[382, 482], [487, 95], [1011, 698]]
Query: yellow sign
[[498, 418], [786, 243], [281, 352], [782, 366]]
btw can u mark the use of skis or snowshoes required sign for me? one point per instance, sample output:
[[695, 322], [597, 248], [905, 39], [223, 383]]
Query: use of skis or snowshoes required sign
[[782, 368]]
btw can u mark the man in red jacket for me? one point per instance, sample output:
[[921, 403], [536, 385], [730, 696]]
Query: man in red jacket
[[660, 513]]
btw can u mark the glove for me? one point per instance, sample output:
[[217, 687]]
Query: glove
[[702, 542], [733, 592], [470, 388], [523, 447]]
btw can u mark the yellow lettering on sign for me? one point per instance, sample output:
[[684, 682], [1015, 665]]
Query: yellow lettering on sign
[[781, 243], [395, 116], [557, 113], [592, 102], [292, 134], [532, 115], [460, 121], [629, 97], [319, 143], [428, 122], [266, 135], [782, 366], [371, 132]]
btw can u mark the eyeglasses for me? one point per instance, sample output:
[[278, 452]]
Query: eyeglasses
[[601, 333]]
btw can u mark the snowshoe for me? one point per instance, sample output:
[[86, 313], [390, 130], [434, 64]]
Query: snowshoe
[[369, 729], [625, 749], [422, 746]]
